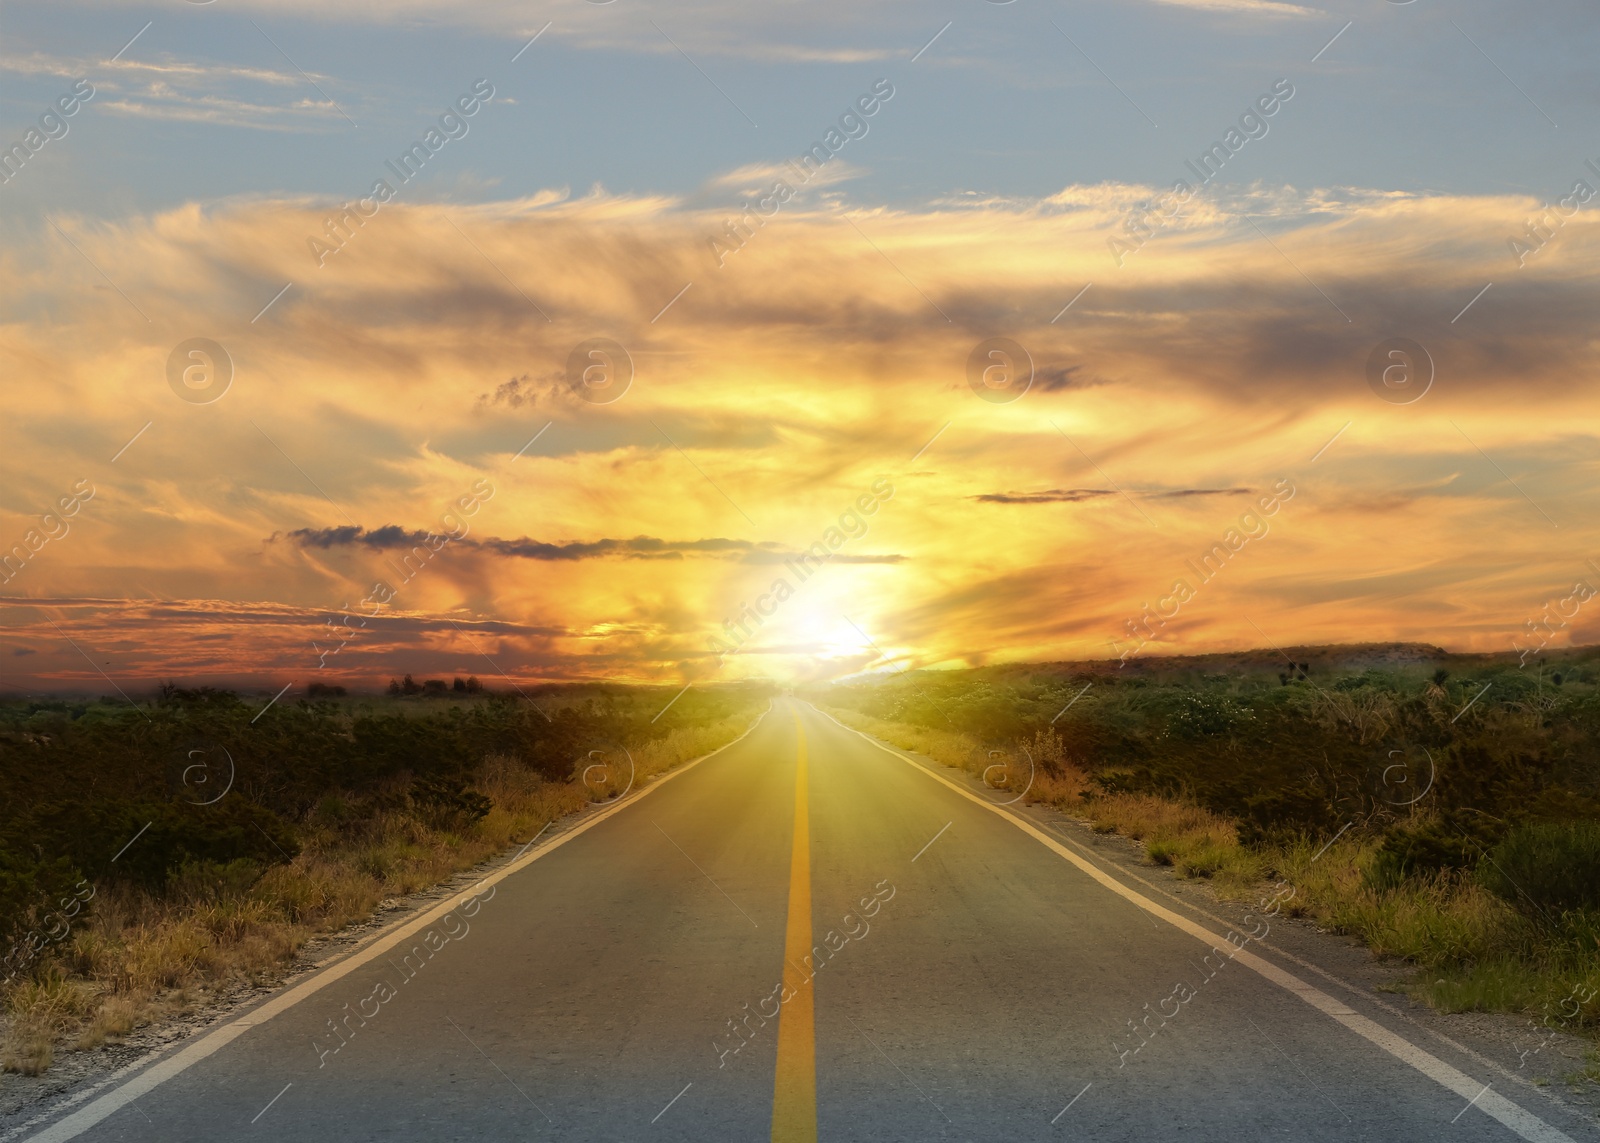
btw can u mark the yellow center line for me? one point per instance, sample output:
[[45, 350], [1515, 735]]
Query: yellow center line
[[794, 1089]]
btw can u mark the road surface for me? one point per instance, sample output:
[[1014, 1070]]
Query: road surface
[[810, 936]]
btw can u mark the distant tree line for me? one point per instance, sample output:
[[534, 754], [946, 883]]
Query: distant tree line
[[460, 686]]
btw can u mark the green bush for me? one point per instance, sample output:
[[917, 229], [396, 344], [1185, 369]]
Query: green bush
[[144, 841], [1291, 757], [1455, 840], [36, 900], [181, 834], [446, 803], [1548, 868], [205, 882], [1279, 816]]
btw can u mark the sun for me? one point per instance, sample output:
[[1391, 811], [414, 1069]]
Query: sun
[[829, 633]]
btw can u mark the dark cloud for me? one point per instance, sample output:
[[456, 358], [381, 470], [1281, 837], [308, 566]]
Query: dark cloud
[[333, 537], [516, 392], [1178, 493], [392, 536], [1048, 496], [1054, 378], [640, 547]]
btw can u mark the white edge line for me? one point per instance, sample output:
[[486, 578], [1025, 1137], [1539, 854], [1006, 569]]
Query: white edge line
[[1468, 1108], [113, 1101], [1511, 1115], [84, 1093], [535, 837]]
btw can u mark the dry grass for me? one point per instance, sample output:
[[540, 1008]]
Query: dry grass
[[27, 1049], [1194, 841], [136, 957], [949, 748], [115, 1017], [39, 1011]]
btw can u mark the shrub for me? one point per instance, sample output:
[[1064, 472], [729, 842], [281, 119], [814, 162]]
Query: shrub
[[1047, 751], [1549, 867], [1277, 816], [1452, 841], [180, 834], [447, 804], [1437, 920], [204, 882], [33, 895]]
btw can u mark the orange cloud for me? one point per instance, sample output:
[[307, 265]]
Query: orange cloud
[[374, 392]]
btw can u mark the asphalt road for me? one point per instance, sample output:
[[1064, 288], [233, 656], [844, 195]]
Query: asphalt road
[[645, 976]]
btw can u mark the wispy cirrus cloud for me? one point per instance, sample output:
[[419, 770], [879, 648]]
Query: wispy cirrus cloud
[[169, 69], [1269, 8], [761, 176], [191, 91], [168, 105]]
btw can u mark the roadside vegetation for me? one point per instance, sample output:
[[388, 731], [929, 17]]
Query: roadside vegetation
[[1441, 808], [152, 857]]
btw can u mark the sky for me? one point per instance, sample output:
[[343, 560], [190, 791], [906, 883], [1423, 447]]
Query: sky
[[539, 342]]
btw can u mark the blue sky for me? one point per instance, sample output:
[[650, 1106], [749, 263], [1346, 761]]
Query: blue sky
[[1001, 104]]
